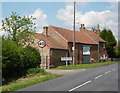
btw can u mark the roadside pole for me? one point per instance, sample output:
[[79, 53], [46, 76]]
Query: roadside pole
[[42, 44], [42, 60], [98, 43], [66, 60], [73, 48]]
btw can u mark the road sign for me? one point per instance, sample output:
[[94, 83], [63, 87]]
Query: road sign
[[41, 44], [66, 58]]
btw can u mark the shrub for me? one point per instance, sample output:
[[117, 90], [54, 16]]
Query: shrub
[[16, 59], [35, 71]]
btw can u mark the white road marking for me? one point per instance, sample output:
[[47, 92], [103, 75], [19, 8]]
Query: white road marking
[[107, 72], [113, 69], [98, 76], [80, 85]]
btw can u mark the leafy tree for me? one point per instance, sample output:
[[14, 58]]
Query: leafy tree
[[19, 28], [117, 50], [110, 41]]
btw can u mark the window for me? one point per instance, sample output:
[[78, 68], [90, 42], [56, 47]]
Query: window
[[86, 50], [103, 45]]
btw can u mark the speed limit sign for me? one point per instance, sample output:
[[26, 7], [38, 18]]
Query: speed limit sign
[[41, 44]]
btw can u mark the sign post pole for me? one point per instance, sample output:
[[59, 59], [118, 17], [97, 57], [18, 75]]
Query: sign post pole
[[42, 44], [42, 57], [66, 61]]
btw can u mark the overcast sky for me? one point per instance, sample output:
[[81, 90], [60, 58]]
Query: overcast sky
[[61, 14]]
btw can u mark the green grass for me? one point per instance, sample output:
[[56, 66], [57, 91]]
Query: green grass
[[84, 66], [25, 82]]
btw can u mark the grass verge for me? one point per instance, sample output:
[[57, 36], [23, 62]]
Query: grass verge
[[27, 81], [85, 66]]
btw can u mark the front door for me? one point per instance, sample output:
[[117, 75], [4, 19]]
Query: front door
[[86, 55]]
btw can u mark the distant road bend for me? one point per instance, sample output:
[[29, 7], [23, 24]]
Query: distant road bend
[[103, 78]]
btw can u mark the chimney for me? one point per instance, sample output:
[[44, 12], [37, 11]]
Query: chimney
[[97, 30], [82, 26], [45, 30]]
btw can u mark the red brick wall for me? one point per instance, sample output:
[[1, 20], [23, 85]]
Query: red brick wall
[[94, 53], [55, 57], [78, 52]]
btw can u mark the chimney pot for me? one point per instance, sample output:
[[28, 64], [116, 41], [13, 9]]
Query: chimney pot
[[82, 26], [45, 30]]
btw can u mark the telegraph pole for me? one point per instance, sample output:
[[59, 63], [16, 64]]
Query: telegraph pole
[[98, 43], [73, 48]]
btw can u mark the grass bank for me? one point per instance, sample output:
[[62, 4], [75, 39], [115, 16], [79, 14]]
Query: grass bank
[[27, 81], [85, 66]]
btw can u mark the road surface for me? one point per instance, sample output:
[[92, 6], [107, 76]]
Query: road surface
[[103, 78]]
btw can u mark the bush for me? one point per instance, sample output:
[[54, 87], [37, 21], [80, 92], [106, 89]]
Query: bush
[[16, 59], [35, 71]]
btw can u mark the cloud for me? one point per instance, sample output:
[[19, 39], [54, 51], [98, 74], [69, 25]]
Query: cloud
[[105, 18], [41, 20]]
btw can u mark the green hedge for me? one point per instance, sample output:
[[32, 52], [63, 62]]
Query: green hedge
[[36, 70], [16, 60]]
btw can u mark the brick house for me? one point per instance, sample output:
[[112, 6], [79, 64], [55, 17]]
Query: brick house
[[59, 44]]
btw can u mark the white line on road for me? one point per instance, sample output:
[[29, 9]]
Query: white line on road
[[113, 69], [98, 76], [80, 85], [107, 72]]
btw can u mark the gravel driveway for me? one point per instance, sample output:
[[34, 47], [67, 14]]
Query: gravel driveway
[[64, 72]]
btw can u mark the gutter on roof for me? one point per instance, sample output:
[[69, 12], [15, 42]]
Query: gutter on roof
[[59, 49]]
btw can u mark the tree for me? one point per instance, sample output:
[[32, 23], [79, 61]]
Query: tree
[[117, 50], [19, 28], [107, 35]]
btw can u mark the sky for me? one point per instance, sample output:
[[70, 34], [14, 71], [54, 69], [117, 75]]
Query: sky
[[60, 14]]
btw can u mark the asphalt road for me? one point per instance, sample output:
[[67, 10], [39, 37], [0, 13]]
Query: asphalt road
[[103, 78]]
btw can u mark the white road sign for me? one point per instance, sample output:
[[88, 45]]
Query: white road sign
[[66, 58]]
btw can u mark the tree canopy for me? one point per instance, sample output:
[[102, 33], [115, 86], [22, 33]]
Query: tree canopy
[[117, 50], [19, 28], [107, 35]]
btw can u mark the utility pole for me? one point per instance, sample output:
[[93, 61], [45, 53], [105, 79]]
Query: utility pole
[[98, 42], [74, 37]]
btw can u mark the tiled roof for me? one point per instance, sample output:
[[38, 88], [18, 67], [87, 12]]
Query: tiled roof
[[94, 35], [87, 37], [50, 41]]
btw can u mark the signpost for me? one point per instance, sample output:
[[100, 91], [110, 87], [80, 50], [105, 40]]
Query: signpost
[[66, 59], [42, 44]]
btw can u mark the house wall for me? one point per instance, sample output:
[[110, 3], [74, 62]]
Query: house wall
[[94, 53], [52, 57], [57, 36], [55, 57], [78, 52], [103, 51], [45, 59]]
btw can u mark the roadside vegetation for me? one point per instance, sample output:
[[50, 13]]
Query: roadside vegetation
[[16, 60], [112, 45], [34, 76], [85, 66], [20, 61]]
